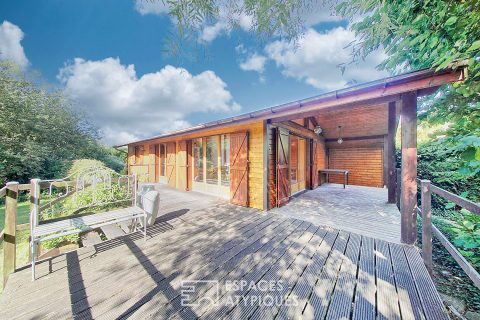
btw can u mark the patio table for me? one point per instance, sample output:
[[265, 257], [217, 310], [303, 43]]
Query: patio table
[[327, 172]]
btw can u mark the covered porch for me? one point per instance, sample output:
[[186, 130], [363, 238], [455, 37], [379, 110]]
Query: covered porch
[[358, 209]]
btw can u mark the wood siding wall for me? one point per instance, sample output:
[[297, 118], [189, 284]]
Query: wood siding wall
[[365, 165], [255, 156]]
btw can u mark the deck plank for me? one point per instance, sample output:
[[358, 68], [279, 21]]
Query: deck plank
[[387, 298], [333, 274], [317, 306], [410, 304], [431, 301], [304, 286], [341, 302], [271, 249], [365, 305], [255, 274]]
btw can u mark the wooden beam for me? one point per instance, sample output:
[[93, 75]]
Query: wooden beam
[[313, 121], [298, 129], [356, 138], [9, 236], [391, 174], [408, 200]]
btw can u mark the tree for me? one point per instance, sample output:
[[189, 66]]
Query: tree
[[425, 34], [41, 132]]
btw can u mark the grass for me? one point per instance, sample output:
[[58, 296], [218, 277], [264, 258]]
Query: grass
[[23, 213]]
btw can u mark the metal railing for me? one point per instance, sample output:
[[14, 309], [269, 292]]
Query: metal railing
[[428, 228], [70, 186]]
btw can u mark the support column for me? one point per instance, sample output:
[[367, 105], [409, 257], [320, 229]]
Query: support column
[[408, 198], [391, 174]]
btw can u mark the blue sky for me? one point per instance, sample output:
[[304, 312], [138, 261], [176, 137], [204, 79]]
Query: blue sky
[[108, 57]]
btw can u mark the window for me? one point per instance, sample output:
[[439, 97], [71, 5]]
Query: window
[[212, 159], [225, 164], [163, 162], [138, 154], [198, 160], [293, 159]]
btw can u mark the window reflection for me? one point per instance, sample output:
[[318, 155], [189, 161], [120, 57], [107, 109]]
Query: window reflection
[[198, 160]]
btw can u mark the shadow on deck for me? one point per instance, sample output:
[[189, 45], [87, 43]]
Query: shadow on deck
[[362, 210], [316, 272]]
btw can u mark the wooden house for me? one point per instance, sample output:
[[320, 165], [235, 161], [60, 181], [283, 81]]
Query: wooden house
[[262, 158]]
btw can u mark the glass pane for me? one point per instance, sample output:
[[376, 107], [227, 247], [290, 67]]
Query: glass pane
[[198, 160], [162, 160], [293, 158], [225, 166], [212, 160]]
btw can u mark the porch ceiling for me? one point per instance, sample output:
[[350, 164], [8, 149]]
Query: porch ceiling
[[365, 121]]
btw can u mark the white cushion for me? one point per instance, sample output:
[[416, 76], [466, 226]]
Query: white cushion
[[151, 205]]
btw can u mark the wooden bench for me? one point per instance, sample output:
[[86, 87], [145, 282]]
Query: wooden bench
[[336, 171], [89, 183]]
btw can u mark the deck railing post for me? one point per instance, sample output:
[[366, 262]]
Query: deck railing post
[[34, 220], [427, 224], [9, 236]]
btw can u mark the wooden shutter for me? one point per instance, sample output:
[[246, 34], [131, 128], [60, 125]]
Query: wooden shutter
[[239, 168], [314, 164], [171, 152], [283, 170]]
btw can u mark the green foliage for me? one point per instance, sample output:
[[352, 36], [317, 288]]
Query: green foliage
[[425, 34], [90, 199], [83, 165], [54, 243], [41, 131], [467, 238], [283, 19]]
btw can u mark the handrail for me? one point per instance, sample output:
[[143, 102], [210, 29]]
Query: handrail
[[428, 228], [462, 202], [3, 192]]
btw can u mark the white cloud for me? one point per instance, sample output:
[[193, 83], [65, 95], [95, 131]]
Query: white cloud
[[157, 7], [316, 14], [254, 62], [10, 46], [316, 56], [127, 107], [211, 32]]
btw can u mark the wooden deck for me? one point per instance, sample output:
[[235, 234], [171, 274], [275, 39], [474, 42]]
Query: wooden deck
[[362, 210], [318, 272]]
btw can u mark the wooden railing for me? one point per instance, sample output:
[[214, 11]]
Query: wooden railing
[[428, 228]]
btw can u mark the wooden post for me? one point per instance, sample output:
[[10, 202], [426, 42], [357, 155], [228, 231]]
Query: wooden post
[[9, 237], [391, 174], [408, 197], [398, 187], [427, 224]]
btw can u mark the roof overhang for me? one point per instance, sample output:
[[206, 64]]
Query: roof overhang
[[423, 82]]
